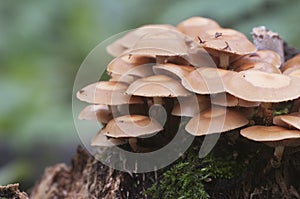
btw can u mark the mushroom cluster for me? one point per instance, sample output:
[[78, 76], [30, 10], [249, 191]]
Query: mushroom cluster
[[213, 76]]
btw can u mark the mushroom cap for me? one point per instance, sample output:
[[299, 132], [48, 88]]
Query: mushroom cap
[[207, 80], [264, 56], [269, 133], [102, 113], [291, 120], [226, 41], [291, 63], [190, 106], [131, 65], [258, 86], [294, 72], [104, 141], [128, 40], [261, 66], [131, 126], [157, 86], [173, 70], [107, 93], [215, 120], [228, 100], [194, 25], [160, 43]]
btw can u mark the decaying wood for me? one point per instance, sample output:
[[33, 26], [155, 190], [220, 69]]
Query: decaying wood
[[12, 192], [88, 178]]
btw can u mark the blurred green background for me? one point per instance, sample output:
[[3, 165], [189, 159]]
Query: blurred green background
[[42, 44]]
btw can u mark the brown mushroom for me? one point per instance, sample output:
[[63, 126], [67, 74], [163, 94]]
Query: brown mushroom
[[260, 56], [101, 140], [128, 40], [173, 70], [274, 136], [131, 65], [261, 66], [102, 113], [215, 120], [291, 120], [194, 25], [225, 99], [131, 126], [223, 43], [107, 93], [258, 86], [293, 63], [157, 86], [207, 80]]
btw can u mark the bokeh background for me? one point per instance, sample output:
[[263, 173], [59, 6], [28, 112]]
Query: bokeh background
[[42, 44]]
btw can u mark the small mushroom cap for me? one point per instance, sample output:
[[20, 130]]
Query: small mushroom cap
[[107, 93], [207, 80], [128, 40], [131, 126], [157, 86], [173, 70], [291, 63], [225, 99], [215, 120], [226, 41], [131, 65], [269, 133], [294, 72], [261, 66], [194, 25], [291, 120], [191, 106], [102, 113], [160, 43], [104, 141], [264, 56], [258, 86]]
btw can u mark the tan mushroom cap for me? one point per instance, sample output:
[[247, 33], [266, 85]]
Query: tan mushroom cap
[[215, 120], [191, 106], [128, 40], [173, 70], [228, 100], [131, 126], [107, 93], [160, 43], [291, 120], [207, 80], [294, 72], [260, 56], [226, 41], [291, 63], [101, 140], [131, 65], [102, 113], [157, 86], [269, 133], [258, 86], [261, 66], [194, 25]]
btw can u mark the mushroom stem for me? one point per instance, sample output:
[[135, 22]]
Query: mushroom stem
[[161, 59], [276, 160], [224, 61], [267, 113], [157, 100]]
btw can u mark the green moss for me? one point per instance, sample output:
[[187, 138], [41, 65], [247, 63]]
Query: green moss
[[189, 177]]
